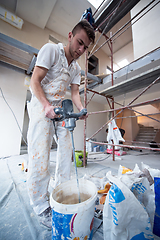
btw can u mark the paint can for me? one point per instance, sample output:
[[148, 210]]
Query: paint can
[[71, 219]]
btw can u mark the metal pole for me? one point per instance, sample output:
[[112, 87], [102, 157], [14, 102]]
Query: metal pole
[[127, 146], [75, 165], [130, 108], [90, 98], [124, 107], [108, 103], [141, 115], [111, 48], [85, 105]]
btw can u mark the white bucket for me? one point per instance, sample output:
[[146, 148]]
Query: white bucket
[[71, 219]]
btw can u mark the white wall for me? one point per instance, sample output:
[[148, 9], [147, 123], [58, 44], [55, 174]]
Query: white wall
[[145, 32], [30, 34], [14, 91]]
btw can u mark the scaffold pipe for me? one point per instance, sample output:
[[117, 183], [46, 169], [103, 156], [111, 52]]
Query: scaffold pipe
[[127, 146]]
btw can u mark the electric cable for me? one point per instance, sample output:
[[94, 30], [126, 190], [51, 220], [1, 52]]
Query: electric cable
[[96, 160], [14, 116], [98, 171]]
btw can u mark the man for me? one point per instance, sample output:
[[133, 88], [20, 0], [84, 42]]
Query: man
[[55, 69]]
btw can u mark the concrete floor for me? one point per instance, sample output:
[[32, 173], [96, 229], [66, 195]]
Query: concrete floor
[[98, 164], [18, 220]]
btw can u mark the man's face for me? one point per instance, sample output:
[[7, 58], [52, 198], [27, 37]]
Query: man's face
[[78, 43]]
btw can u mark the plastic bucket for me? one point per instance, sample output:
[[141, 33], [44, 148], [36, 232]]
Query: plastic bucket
[[71, 219]]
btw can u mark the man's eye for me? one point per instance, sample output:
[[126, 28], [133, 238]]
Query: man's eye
[[80, 43]]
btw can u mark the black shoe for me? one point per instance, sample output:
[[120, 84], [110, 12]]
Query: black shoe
[[46, 218]]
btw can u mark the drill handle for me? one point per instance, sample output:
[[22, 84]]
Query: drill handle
[[77, 115], [58, 111], [65, 115], [80, 114]]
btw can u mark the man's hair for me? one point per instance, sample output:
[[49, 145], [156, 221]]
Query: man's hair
[[84, 24]]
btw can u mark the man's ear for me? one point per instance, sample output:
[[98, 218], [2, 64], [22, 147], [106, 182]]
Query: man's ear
[[70, 35]]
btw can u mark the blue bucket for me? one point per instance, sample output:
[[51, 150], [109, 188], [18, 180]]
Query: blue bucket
[[71, 219]]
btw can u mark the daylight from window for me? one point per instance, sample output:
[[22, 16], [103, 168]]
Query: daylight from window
[[95, 3], [123, 63]]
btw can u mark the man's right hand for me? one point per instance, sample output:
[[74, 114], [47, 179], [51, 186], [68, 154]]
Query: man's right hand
[[49, 112]]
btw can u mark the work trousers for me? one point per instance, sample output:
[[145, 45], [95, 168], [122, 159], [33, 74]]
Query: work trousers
[[40, 136]]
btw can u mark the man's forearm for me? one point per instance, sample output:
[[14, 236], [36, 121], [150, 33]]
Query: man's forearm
[[76, 97], [77, 102]]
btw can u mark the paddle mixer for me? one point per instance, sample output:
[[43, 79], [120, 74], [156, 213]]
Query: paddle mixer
[[69, 117]]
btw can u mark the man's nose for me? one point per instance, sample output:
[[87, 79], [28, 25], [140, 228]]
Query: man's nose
[[81, 49]]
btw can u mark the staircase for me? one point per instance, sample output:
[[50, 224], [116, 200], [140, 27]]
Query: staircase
[[145, 135]]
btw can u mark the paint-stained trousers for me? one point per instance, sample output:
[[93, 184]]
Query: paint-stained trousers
[[40, 136]]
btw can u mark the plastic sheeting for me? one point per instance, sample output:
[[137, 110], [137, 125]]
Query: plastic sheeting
[[18, 220]]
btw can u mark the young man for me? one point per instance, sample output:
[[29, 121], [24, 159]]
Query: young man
[[55, 69]]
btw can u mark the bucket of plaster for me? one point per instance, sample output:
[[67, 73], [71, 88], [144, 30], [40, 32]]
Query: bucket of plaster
[[71, 219]]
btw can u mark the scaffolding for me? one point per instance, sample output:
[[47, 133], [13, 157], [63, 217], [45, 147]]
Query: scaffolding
[[109, 41]]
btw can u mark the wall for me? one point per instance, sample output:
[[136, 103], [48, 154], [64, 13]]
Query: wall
[[104, 61], [37, 37], [14, 91], [147, 121], [135, 126], [30, 34], [129, 124], [95, 121], [146, 36]]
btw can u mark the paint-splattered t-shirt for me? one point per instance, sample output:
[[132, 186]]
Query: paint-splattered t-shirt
[[59, 75]]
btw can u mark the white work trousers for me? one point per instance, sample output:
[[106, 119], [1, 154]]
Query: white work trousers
[[40, 136]]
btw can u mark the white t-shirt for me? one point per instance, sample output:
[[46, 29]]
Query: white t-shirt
[[52, 57], [59, 75]]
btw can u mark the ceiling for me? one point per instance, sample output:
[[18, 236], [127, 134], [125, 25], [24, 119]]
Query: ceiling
[[61, 15]]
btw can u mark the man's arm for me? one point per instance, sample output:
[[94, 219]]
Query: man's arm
[[38, 74], [76, 98]]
